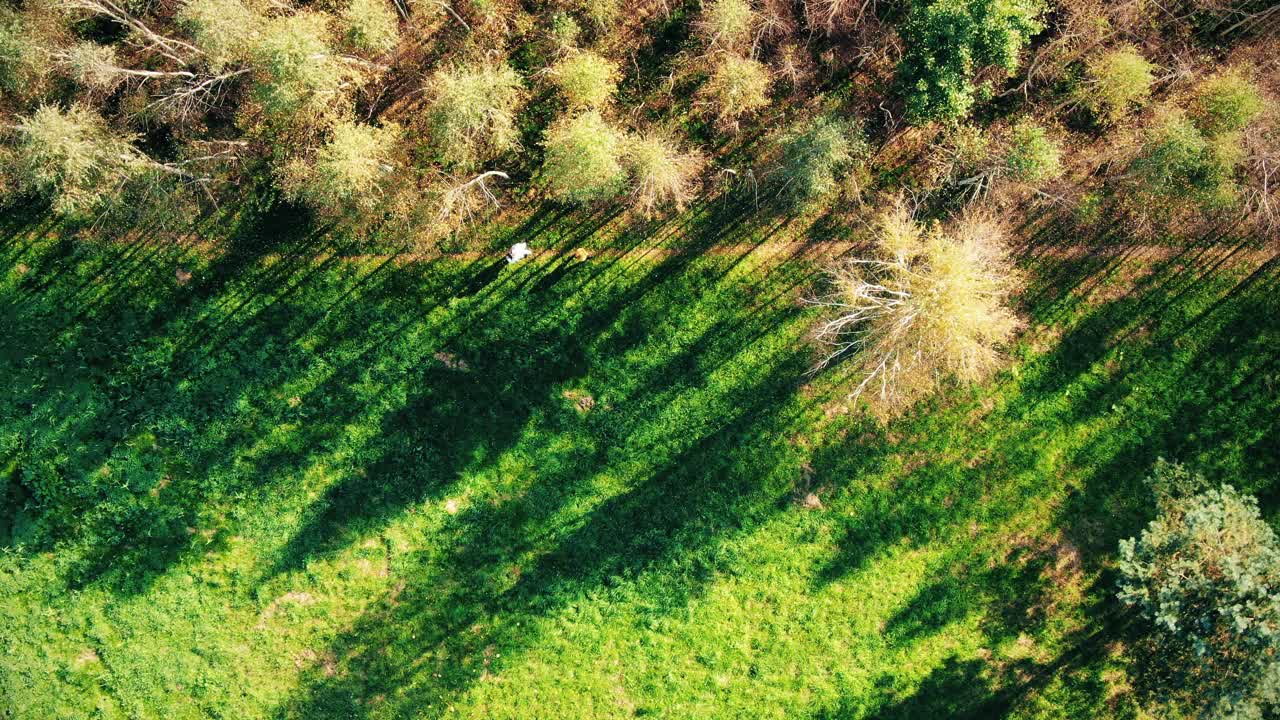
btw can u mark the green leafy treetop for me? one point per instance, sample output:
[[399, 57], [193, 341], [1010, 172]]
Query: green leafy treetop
[[301, 79], [1178, 162], [727, 24], [350, 172], [1116, 82], [73, 159], [813, 154], [471, 117], [371, 26], [949, 41], [224, 29], [586, 79], [1228, 102], [1206, 575], [1032, 155], [583, 158]]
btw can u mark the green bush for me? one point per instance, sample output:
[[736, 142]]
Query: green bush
[[813, 154], [586, 80], [967, 150], [1032, 155], [472, 113], [1177, 161], [1227, 102], [949, 41], [371, 26], [349, 172], [1205, 575], [1116, 82], [583, 158], [564, 30], [737, 86], [73, 159]]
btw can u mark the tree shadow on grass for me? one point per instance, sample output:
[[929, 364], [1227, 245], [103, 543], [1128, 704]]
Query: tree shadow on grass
[[139, 398], [989, 687], [692, 455], [1217, 359], [940, 477], [1181, 364], [1200, 405], [515, 349], [462, 618], [133, 391]]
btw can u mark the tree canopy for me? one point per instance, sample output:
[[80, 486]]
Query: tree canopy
[[949, 43]]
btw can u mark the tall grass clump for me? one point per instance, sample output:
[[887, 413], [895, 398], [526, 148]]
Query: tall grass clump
[[1032, 154]]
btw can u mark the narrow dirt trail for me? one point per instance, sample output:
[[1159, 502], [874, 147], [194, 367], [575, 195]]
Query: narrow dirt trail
[[797, 250], [771, 252], [765, 250]]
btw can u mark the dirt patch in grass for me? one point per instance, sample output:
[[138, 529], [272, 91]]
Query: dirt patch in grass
[[582, 401], [301, 599]]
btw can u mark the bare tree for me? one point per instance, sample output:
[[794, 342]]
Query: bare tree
[[928, 305]]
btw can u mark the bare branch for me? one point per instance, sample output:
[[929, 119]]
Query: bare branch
[[176, 50]]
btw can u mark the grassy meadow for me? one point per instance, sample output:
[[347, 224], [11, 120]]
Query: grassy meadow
[[306, 483]]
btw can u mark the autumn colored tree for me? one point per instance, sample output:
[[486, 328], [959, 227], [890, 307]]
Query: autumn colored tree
[[73, 159], [928, 305], [661, 174], [349, 173], [472, 114]]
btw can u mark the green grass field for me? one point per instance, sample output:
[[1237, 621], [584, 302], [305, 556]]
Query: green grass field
[[303, 486]]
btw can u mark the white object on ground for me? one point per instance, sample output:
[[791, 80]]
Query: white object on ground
[[519, 251]]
